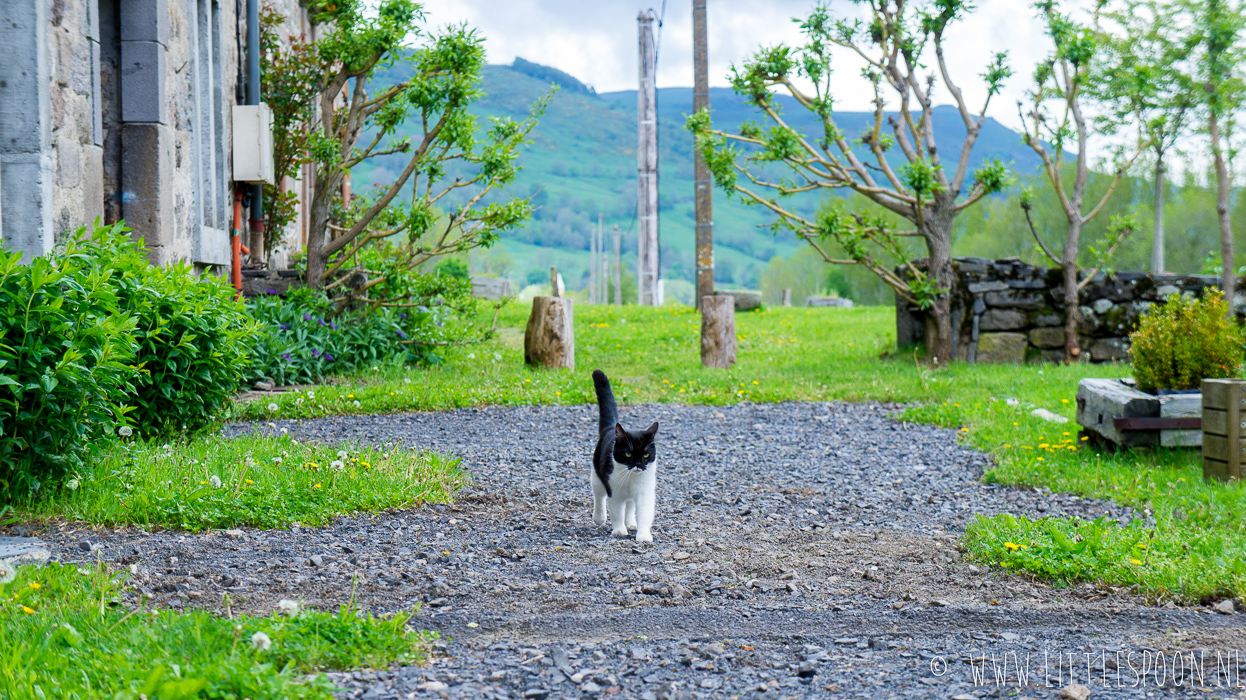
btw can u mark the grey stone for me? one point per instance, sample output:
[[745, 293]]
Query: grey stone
[[828, 301], [1109, 349], [745, 299], [1002, 348], [1001, 320], [143, 82], [85, 545], [1049, 337], [1011, 299], [493, 288], [1027, 284], [25, 549], [145, 20], [1074, 691], [1226, 607], [1051, 356], [1102, 306], [991, 286], [1048, 320], [1166, 291]]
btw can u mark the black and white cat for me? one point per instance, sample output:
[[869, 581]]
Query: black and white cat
[[624, 469]]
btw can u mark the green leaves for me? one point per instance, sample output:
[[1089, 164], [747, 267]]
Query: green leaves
[[994, 177]]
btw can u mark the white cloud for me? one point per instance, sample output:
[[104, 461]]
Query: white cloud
[[596, 41]]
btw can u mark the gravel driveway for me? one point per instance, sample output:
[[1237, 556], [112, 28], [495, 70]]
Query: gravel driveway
[[801, 550]]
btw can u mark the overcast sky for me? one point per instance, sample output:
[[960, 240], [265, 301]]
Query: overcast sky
[[595, 40]]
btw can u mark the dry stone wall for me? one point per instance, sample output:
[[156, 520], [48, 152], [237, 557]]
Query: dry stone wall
[[1006, 311]]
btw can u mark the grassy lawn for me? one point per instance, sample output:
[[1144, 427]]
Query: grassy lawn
[[1196, 549], [266, 482], [63, 634]]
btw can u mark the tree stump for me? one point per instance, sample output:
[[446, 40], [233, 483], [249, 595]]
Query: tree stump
[[549, 340], [787, 296], [717, 331]]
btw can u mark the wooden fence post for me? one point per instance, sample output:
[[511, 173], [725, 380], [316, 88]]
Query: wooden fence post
[[1222, 428], [718, 347], [787, 296], [549, 340]]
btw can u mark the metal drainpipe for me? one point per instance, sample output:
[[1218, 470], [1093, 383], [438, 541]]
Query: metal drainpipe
[[253, 98]]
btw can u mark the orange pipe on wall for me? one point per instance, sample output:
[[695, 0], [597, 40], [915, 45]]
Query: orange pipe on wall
[[235, 242]]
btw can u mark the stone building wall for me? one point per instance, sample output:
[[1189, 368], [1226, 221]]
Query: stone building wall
[[121, 109], [1007, 311]]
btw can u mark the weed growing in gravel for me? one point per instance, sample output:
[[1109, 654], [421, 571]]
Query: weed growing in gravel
[[64, 633], [265, 482]]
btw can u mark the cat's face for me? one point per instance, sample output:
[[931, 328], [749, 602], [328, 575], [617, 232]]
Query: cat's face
[[636, 451]]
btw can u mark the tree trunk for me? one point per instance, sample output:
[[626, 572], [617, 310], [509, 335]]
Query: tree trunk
[[718, 347], [1157, 244], [1072, 312], [1228, 274], [941, 348], [549, 340]]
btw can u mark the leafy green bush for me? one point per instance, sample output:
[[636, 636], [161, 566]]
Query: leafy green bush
[[191, 336], [306, 337], [65, 363], [1184, 341]]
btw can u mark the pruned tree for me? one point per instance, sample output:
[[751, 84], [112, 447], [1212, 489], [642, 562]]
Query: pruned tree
[[1218, 71], [452, 173], [1057, 126], [897, 44], [1144, 79]]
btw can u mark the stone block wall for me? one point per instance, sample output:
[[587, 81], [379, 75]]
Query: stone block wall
[[1006, 311]]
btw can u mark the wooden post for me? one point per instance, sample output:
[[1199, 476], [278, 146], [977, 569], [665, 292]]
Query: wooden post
[[718, 331], [618, 270], [703, 183], [592, 267], [787, 296], [1223, 425], [553, 281], [647, 163], [549, 340]]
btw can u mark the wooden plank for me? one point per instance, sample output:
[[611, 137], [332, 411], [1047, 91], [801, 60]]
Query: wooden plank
[[1215, 422], [1101, 400], [1215, 469], [1181, 406], [1216, 393], [1216, 447], [1158, 423]]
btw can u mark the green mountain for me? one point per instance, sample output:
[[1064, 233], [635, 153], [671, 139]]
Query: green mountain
[[582, 163]]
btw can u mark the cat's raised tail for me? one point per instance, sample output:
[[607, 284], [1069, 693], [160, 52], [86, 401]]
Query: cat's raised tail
[[608, 410]]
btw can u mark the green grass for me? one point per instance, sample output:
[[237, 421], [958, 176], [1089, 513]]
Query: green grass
[[265, 482], [64, 634], [1197, 549]]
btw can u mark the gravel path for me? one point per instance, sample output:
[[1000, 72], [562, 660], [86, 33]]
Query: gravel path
[[801, 550]]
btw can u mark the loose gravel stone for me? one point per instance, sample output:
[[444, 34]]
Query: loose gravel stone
[[801, 550]]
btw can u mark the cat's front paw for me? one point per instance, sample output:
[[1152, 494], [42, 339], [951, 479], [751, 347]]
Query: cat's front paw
[[644, 537], [620, 531], [599, 519]]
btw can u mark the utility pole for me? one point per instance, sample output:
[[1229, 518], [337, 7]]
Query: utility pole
[[592, 266], [618, 270], [600, 260], [704, 185], [647, 164]]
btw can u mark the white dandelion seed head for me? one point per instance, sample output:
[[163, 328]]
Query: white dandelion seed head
[[298, 401], [337, 465], [276, 460], [357, 404], [288, 607], [125, 431], [249, 461], [272, 407], [7, 572], [214, 481], [497, 356], [471, 355], [261, 641], [72, 484], [311, 394], [341, 454]]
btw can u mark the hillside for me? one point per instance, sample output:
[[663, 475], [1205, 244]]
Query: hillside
[[582, 162]]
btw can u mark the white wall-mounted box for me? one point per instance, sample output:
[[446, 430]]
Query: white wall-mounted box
[[253, 144]]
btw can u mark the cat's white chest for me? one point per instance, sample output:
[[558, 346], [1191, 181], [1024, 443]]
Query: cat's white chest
[[625, 483]]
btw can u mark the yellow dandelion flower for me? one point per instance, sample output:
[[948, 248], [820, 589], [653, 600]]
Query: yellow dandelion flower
[[1012, 546], [34, 585], [28, 611], [1135, 562]]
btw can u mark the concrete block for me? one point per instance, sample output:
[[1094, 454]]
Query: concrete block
[[92, 185], [212, 246], [145, 20], [745, 299], [26, 201], [1001, 320], [828, 301], [1047, 338], [142, 82], [491, 287], [1002, 348]]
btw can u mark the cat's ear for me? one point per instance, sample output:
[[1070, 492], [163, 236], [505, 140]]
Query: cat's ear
[[650, 432], [619, 432]]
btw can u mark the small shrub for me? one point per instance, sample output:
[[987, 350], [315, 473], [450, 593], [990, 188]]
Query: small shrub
[[1183, 341], [191, 336], [65, 363]]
